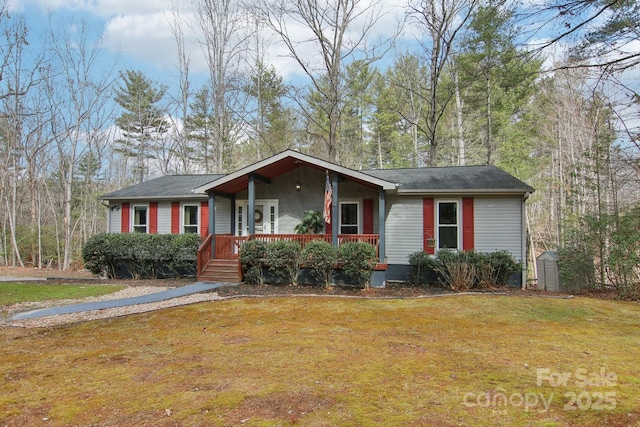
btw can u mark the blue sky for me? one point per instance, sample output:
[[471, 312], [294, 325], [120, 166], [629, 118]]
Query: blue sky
[[137, 34]]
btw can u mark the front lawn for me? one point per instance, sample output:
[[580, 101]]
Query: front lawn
[[13, 293], [455, 360]]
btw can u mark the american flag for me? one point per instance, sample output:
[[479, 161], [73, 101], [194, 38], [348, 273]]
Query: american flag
[[328, 195]]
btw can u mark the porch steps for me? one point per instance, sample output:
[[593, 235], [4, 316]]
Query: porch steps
[[221, 270]]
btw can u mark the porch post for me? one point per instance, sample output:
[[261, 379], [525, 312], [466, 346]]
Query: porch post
[[381, 225], [251, 219], [335, 209], [212, 223]]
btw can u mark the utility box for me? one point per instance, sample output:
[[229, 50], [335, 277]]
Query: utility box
[[548, 273]]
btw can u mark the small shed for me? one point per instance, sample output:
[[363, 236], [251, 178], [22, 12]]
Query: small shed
[[548, 273]]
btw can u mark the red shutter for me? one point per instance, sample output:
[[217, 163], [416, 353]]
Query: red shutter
[[125, 218], [153, 217], [204, 219], [175, 217], [468, 239], [428, 227], [367, 216]]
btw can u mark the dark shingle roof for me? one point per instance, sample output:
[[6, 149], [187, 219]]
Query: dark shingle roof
[[170, 186], [454, 178]]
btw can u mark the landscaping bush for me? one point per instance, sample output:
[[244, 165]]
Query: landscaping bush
[[455, 270], [143, 255], [283, 259], [252, 257], [358, 260], [320, 257], [98, 255], [423, 266], [497, 267], [462, 271]]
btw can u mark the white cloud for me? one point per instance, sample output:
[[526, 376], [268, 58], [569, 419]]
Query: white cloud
[[146, 37], [141, 32], [101, 8]]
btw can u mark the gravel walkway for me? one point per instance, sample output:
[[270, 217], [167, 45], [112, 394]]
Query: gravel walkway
[[127, 301]]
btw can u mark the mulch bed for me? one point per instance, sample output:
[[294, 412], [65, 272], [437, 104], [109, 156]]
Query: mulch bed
[[392, 290]]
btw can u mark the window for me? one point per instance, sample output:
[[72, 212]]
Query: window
[[140, 219], [448, 225], [272, 219], [190, 219], [349, 223]]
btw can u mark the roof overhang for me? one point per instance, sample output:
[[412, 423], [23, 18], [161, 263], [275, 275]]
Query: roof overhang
[[459, 192], [284, 162], [202, 196]]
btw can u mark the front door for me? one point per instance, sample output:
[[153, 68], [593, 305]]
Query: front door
[[265, 216]]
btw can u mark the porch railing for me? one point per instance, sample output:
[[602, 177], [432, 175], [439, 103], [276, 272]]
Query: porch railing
[[204, 253], [228, 246]]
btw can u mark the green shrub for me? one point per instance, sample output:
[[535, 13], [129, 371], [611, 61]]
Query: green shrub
[[312, 223], [497, 268], [283, 259], [422, 264], [624, 255], [252, 257], [358, 260], [320, 257], [98, 255], [143, 255], [576, 267]]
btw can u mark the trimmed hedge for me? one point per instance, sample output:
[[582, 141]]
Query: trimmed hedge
[[142, 255], [285, 259], [358, 260], [320, 257], [252, 255]]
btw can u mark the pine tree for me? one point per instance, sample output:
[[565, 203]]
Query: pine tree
[[142, 122]]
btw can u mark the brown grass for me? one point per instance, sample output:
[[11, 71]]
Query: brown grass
[[325, 361]]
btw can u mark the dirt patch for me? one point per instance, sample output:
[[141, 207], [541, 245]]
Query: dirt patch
[[45, 272], [54, 276], [277, 406]]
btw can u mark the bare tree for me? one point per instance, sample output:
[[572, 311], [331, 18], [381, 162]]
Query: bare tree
[[335, 33], [20, 76], [442, 21], [78, 101], [180, 131], [224, 35]]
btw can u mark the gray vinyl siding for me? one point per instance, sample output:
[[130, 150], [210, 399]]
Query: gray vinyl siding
[[164, 218], [498, 225], [292, 204], [115, 219], [404, 228], [223, 215]]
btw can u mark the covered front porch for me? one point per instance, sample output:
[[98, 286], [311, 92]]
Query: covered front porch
[[224, 263], [266, 200]]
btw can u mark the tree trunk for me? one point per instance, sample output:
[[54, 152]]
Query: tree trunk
[[462, 157]]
